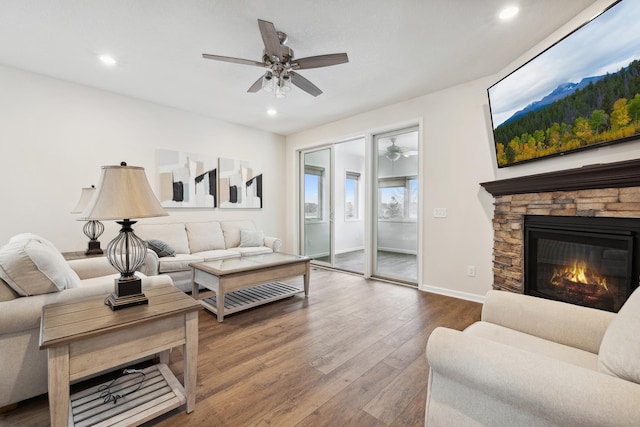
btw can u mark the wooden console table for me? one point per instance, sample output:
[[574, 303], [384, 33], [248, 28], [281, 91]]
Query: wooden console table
[[242, 283], [86, 337]]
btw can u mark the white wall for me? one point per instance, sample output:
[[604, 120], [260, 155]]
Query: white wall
[[457, 154], [56, 135]]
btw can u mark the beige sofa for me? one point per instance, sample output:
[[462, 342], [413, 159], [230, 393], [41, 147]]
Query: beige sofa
[[537, 362], [201, 241], [23, 366]]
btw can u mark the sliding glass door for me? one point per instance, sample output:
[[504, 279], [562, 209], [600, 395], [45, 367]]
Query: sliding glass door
[[396, 205], [361, 215], [333, 209], [317, 205]]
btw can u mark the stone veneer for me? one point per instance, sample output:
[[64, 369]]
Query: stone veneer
[[508, 222]]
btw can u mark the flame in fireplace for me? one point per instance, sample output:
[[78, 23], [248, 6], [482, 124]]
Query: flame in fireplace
[[578, 273]]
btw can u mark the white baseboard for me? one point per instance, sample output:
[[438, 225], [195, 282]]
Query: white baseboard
[[455, 294]]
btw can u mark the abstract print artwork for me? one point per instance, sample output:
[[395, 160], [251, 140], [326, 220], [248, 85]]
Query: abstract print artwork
[[240, 186], [186, 180]]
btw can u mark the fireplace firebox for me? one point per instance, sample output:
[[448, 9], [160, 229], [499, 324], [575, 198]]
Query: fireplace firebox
[[588, 261]]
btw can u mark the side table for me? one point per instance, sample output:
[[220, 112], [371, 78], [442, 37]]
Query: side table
[[86, 337]]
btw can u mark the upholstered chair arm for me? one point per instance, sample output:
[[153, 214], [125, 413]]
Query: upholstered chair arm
[[568, 324], [87, 268], [273, 242], [151, 264], [472, 378]]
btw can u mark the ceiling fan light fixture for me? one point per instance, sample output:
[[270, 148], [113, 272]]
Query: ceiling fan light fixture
[[285, 82], [280, 93], [392, 155], [267, 83]]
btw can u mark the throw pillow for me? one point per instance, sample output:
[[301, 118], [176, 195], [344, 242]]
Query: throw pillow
[[620, 345], [161, 248], [251, 238], [31, 265]]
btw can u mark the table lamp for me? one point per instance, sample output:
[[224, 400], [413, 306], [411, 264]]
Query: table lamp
[[124, 193], [92, 228]]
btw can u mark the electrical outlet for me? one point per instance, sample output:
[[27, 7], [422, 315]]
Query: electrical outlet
[[471, 270], [439, 212]]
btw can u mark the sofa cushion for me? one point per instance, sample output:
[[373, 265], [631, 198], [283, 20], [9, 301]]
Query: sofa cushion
[[31, 265], [533, 344], [217, 254], [205, 236], [251, 238], [231, 230], [6, 293], [256, 250], [178, 263], [174, 235], [161, 248], [620, 349]]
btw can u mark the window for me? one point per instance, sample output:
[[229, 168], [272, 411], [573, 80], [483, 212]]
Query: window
[[398, 199], [351, 192], [313, 178]]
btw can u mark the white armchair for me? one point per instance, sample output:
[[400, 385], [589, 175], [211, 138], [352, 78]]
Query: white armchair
[[537, 362]]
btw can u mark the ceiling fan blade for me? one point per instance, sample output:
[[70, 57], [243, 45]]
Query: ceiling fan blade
[[270, 38], [256, 86], [234, 60], [319, 61], [305, 84]]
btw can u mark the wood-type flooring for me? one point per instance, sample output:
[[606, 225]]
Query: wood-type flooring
[[351, 354]]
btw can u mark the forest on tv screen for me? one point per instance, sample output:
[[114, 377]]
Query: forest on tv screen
[[604, 111]]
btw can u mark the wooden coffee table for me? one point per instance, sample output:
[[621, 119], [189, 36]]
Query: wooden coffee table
[[242, 283], [86, 337]]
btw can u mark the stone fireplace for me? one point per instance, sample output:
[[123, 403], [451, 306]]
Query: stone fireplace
[[599, 191]]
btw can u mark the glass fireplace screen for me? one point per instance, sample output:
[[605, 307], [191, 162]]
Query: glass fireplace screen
[[579, 268]]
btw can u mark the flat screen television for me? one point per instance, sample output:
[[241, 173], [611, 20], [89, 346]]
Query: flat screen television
[[582, 92]]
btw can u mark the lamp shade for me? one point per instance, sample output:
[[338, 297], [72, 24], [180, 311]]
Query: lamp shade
[[85, 197], [123, 193]]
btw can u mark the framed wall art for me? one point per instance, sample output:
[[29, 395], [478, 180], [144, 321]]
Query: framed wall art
[[186, 180], [240, 186]]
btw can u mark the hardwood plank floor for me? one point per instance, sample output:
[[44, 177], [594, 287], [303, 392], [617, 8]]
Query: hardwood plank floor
[[352, 354]]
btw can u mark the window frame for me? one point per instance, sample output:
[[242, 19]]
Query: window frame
[[319, 172], [404, 182], [352, 176]]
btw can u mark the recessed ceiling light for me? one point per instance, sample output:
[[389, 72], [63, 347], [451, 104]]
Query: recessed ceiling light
[[107, 60], [272, 112], [508, 12]]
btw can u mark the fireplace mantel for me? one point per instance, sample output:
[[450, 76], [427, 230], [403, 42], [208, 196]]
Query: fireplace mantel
[[607, 175]]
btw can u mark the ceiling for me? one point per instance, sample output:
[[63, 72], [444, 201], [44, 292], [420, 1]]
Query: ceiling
[[397, 50]]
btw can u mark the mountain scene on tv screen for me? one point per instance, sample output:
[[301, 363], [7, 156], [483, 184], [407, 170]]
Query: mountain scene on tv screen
[[593, 111]]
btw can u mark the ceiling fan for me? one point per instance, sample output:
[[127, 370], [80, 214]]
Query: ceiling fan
[[279, 61], [394, 152]]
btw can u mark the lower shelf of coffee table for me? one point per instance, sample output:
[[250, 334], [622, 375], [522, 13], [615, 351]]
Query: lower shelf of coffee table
[[243, 299], [160, 392]]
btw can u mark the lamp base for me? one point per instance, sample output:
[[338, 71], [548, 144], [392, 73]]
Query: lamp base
[[128, 292], [94, 248], [116, 302]]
